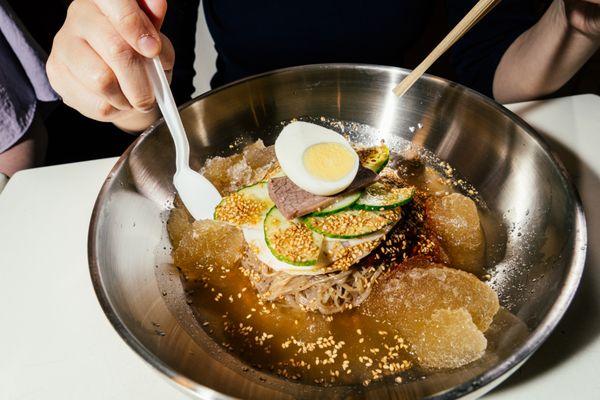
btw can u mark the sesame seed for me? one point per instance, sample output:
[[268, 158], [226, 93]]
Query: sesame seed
[[240, 209], [295, 243]]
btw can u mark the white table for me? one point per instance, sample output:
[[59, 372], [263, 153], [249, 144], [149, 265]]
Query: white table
[[56, 343]]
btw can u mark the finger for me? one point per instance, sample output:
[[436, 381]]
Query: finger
[[167, 53], [88, 68], [127, 65], [134, 26], [155, 10], [75, 95]]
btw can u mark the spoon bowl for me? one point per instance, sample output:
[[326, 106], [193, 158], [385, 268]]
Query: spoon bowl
[[196, 192]]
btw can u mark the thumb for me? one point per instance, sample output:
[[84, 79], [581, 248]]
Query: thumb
[[155, 10]]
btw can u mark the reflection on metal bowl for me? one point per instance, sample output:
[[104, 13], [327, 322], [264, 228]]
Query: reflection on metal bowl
[[539, 262]]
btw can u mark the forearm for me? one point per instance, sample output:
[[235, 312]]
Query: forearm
[[28, 152], [542, 59]]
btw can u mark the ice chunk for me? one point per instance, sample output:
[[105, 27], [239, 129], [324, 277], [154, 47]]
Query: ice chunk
[[455, 220], [208, 245], [448, 339], [432, 182], [411, 302], [416, 293], [180, 221], [258, 156], [229, 174]]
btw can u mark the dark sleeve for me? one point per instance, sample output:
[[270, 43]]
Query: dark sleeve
[[477, 54], [180, 27]]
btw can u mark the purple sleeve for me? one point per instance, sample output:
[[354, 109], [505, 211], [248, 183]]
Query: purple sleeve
[[23, 80]]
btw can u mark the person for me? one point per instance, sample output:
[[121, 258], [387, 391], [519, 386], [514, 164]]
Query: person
[[97, 59], [25, 96]]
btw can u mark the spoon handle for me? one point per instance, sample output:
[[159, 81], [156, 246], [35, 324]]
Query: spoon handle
[[169, 110]]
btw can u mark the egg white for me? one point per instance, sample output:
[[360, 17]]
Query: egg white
[[290, 146]]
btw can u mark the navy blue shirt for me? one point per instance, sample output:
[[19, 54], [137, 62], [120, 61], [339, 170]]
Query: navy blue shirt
[[254, 36]]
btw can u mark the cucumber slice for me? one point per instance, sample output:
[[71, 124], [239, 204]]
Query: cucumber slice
[[258, 247], [352, 223], [291, 241], [374, 158], [341, 204], [384, 195], [247, 207]]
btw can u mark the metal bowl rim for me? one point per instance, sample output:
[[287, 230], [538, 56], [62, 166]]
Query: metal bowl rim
[[536, 337]]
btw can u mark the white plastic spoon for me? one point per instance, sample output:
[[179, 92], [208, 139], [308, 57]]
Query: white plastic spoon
[[199, 196]]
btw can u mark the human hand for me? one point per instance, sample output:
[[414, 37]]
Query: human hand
[[583, 16], [97, 62]]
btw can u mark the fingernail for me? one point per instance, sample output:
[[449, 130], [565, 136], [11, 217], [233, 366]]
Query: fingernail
[[148, 45]]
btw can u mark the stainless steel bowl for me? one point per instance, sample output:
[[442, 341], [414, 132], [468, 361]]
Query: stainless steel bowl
[[543, 232]]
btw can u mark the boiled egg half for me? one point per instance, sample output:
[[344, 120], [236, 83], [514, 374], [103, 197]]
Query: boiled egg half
[[317, 159]]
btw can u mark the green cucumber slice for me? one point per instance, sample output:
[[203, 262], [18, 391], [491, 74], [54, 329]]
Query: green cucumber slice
[[384, 195], [352, 223], [375, 158], [341, 204], [247, 207], [291, 241]]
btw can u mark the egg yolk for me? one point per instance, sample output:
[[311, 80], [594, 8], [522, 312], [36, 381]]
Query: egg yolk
[[328, 161]]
